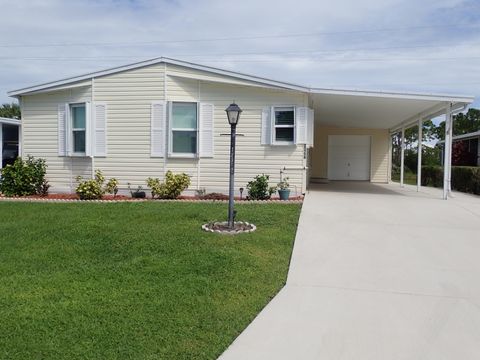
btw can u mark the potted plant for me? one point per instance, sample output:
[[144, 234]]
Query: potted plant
[[137, 194], [283, 189]]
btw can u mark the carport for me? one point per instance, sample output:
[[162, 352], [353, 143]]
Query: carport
[[353, 131]]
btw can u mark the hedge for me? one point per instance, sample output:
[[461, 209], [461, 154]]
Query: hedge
[[464, 178]]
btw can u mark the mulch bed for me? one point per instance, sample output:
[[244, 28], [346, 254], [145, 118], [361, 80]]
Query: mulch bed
[[208, 197], [223, 228]]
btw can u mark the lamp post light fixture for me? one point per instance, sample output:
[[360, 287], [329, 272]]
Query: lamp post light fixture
[[233, 115]]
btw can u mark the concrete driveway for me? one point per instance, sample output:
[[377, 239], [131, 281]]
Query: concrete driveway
[[377, 272]]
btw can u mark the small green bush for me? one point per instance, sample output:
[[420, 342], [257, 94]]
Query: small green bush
[[112, 187], [432, 176], [171, 187], [91, 189], [464, 178], [24, 177], [258, 188]]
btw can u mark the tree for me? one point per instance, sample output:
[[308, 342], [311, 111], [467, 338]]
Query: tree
[[411, 139], [10, 111], [462, 124]]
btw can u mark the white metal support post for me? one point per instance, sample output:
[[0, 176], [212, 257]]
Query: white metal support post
[[447, 160], [450, 136], [402, 157], [419, 161]]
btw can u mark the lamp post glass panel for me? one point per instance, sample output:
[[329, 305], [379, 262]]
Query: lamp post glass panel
[[233, 114]]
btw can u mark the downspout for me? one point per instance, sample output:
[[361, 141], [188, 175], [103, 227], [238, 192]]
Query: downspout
[[92, 130], [165, 136], [20, 129]]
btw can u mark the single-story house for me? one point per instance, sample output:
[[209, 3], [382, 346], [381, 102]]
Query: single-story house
[[471, 142], [141, 120], [9, 140]]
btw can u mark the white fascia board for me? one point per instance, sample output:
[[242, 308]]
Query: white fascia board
[[242, 76], [10, 121], [238, 75], [395, 95], [434, 111], [55, 84]]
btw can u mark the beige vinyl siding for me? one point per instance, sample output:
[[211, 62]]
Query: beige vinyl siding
[[252, 158], [39, 133], [128, 96], [181, 71], [379, 151]]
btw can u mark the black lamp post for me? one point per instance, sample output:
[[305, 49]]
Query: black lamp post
[[233, 114]]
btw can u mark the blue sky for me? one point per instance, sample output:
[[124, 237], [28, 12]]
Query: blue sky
[[424, 46]]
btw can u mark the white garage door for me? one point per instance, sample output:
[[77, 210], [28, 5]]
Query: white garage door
[[349, 157]]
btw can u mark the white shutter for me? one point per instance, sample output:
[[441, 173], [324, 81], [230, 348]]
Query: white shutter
[[157, 128], [88, 129], [63, 110], [100, 129], [310, 127], [266, 134], [301, 116], [206, 141]]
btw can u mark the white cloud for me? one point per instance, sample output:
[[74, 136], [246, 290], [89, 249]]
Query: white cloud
[[384, 59]]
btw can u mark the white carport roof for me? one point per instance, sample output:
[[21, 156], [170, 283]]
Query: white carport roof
[[343, 108], [379, 110]]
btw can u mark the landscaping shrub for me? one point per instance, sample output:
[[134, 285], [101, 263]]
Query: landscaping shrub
[[171, 187], [112, 187], [24, 177], [432, 176], [93, 189], [464, 178], [258, 188]]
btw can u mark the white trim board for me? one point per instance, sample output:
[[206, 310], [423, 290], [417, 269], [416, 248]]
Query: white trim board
[[237, 75]]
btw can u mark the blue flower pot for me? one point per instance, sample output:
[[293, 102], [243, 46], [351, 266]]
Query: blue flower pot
[[284, 194]]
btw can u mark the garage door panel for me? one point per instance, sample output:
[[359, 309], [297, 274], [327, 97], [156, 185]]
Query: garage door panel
[[349, 157]]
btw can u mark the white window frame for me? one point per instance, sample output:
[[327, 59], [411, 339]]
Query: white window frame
[[171, 129], [275, 126], [72, 129]]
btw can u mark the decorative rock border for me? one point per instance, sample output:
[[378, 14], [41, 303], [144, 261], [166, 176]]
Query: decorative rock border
[[244, 227], [26, 199]]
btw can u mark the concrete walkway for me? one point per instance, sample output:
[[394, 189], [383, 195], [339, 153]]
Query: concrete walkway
[[377, 272]]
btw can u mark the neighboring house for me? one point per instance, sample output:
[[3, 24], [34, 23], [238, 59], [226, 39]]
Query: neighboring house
[[140, 120], [9, 140], [468, 148]]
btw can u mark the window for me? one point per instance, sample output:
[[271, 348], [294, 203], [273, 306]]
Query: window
[[79, 120], [184, 128], [284, 125]]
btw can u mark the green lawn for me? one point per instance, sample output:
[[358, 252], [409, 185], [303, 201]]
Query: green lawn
[[409, 178], [134, 280]]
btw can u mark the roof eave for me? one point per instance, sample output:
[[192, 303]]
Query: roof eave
[[257, 79], [467, 99]]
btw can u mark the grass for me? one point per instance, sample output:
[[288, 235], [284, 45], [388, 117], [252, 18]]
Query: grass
[[134, 280], [409, 178]]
